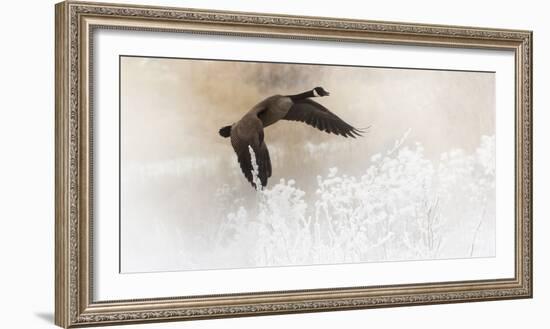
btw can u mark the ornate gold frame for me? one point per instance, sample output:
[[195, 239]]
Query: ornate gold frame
[[76, 21]]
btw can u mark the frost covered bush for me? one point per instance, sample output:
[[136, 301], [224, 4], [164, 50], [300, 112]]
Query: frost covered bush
[[402, 207]]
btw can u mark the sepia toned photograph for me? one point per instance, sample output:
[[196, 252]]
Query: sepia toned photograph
[[216, 164], [234, 164], [213, 164]]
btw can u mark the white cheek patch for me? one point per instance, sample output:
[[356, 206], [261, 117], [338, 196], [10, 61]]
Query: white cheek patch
[[315, 94]]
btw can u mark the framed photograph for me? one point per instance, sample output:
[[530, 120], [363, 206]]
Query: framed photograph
[[218, 164]]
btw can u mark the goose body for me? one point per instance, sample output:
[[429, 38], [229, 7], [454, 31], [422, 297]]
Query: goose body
[[248, 131]]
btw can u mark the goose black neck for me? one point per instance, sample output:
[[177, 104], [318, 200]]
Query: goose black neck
[[303, 95]]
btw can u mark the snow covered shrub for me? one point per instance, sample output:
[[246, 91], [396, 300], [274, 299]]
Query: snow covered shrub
[[402, 207]]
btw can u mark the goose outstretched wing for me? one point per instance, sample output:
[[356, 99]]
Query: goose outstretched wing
[[318, 116], [249, 134]]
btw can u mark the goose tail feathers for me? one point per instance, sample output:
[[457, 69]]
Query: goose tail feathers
[[225, 131]]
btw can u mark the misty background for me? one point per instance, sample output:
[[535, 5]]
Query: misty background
[[180, 180]]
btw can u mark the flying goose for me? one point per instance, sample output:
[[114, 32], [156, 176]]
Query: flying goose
[[249, 130]]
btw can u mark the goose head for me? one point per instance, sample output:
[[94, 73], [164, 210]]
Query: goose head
[[320, 92]]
